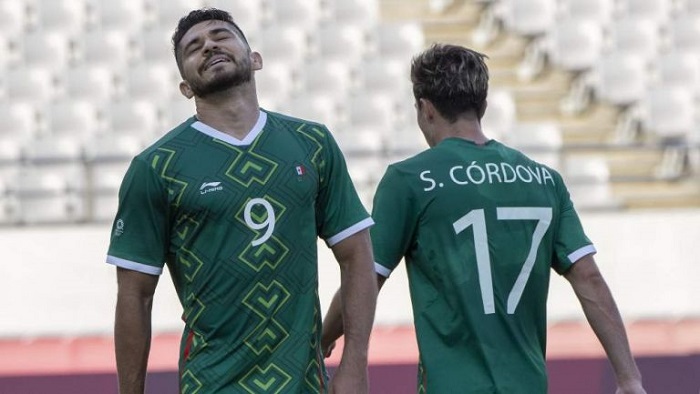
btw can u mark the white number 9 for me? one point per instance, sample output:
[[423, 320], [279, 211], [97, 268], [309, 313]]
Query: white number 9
[[268, 223]]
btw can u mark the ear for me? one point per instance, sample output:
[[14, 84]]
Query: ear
[[428, 109], [256, 61], [186, 90]]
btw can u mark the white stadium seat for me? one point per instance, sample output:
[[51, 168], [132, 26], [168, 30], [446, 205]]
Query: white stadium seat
[[354, 12], [304, 14], [91, 82], [128, 16], [47, 196], [76, 118], [679, 68], [328, 78], [315, 107], [656, 10], [167, 13], [500, 115], [670, 111], [61, 15], [685, 33], [399, 41], [137, 117], [283, 45], [276, 81], [112, 48], [31, 84], [19, 120], [152, 81], [345, 43], [621, 78], [14, 17], [635, 35], [529, 17], [576, 44], [597, 11], [49, 50]]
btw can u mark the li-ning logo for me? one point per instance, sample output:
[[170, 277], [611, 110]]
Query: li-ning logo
[[119, 228], [208, 187]]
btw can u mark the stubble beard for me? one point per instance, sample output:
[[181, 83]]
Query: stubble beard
[[223, 81]]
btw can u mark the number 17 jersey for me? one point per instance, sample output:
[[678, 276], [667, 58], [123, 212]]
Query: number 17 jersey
[[480, 227]]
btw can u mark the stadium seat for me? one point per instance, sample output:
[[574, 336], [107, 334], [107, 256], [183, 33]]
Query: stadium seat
[[46, 196], [98, 83], [685, 33], [327, 78], [386, 76], [670, 112], [14, 17], [315, 107], [542, 141], [621, 79], [167, 13], [10, 151], [588, 180], [176, 111], [399, 41], [529, 17], [303, 14], [137, 117], [61, 15], [354, 12], [30, 84], [276, 81], [575, 44], [344, 43], [371, 110], [500, 116], [73, 118], [112, 48], [155, 45], [679, 68], [54, 151], [596, 11], [658, 11], [152, 81], [19, 120], [635, 35], [128, 16], [287, 46], [46, 49], [361, 140]]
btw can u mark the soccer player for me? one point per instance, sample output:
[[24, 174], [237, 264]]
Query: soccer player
[[481, 225], [233, 201]]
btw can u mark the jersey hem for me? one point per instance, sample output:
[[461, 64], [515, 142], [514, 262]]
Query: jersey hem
[[586, 250], [354, 229], [381, 270], [134, 266]]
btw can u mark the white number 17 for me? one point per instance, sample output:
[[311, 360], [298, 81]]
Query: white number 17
[[477, 219]]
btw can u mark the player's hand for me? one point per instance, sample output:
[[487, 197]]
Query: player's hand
[[327, 349], [346, 381], [631, 388]]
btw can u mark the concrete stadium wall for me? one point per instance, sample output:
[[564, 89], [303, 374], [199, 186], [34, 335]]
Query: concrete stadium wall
[[54, 281]]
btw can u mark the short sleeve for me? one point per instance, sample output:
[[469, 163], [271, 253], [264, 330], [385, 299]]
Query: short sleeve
[[396, 220], [571, 242], [139, 234], [339, 211]]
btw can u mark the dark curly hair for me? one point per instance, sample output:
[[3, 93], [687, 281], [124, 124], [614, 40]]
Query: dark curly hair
[[195, 17], [455, 79]]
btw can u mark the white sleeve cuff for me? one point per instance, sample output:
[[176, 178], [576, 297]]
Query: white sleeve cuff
[[134, 266], [354, 229], [577, 254]]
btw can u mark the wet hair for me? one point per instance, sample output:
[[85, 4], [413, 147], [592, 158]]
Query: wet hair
[[453, 78], [195, 17]]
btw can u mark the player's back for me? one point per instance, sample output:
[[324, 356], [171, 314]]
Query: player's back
[[487, 227]]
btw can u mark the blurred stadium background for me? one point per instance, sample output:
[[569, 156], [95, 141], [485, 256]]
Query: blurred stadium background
[[605, 91]]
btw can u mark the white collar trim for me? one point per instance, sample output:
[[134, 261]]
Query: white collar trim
[[252, 134]]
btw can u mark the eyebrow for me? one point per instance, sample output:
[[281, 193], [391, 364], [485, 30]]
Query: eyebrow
[[213, 31]]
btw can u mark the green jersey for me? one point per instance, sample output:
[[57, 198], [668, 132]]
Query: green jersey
[[479, 227], [236, 222]]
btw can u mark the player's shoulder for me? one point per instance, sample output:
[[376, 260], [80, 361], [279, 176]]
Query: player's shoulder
[[293, 123]]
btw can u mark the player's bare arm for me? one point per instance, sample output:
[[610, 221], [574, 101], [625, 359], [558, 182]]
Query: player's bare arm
[[357, 299], [605, 320], [132, 328]]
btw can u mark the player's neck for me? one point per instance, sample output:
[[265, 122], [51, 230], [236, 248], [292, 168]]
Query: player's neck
[[468, 129], [233, 114]]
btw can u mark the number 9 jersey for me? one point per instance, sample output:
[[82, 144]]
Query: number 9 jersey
[[480, 228], [237, 223]]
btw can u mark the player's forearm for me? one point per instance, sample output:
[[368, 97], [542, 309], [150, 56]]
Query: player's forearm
[[132, 340], [332, 323], [358, 299], [605, 320]]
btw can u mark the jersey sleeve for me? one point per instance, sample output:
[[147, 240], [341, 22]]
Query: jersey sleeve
[[339, 210], [139, 234], [395, 219], [571, 242]]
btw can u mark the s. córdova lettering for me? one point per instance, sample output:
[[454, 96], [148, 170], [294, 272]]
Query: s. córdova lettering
[[491, 173]]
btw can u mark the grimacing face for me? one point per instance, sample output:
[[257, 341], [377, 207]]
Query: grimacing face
[[214, 58]]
